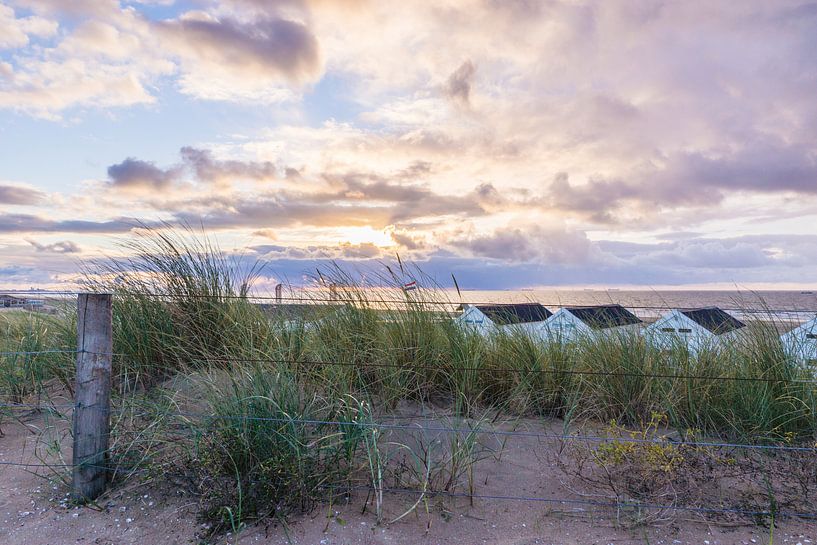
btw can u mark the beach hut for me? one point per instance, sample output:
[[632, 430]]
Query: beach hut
[[485, 319], [693, 328], [295, 315], [801, 342], [10, 301], [572, 323]]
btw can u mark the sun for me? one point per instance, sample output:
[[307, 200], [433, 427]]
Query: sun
[[364, 235]]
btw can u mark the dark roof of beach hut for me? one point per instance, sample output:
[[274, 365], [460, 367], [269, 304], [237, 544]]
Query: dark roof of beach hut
[[714, 319], [516, 313], [604, 316]]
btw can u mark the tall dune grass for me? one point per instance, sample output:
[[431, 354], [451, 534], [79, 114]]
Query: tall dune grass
[[29, 353], [182, 304]]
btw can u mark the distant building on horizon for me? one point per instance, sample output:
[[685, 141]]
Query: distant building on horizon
[[486, 319], [694, 328], [569, 324], [801, 342], [11, 301]]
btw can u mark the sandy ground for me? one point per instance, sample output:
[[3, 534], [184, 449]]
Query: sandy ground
[[34, 511]]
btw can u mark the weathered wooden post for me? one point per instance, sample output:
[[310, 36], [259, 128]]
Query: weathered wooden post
[[93, 395]]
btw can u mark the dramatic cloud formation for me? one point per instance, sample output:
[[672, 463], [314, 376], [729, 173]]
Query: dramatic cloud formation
[[516, 143]]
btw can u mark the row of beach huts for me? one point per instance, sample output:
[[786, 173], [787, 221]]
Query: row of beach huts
[[696, 328]]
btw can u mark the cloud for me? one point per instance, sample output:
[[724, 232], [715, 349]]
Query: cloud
[[99, 39], [351, 198], [114, 56], [406, 241], [346, 250], [613, 201], [29, 223], [96, 64], [73, 9], [12, 194], [134, 173], [248, 56], [529, 243], [690, 179], [207, 169], [198, 164], [62, 247], [764, 166], [458, 85], [378, 204], [16, 32]]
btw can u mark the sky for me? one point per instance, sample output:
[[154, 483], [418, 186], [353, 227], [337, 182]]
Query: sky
[[512, 143]]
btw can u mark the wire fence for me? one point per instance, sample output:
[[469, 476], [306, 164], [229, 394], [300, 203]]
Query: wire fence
[[427, 429], [532, 370]]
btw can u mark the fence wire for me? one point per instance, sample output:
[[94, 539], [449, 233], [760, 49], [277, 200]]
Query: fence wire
[[416, 427], [443, 369], [39, 352]]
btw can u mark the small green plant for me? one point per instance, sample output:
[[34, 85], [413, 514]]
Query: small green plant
[[266, 451]]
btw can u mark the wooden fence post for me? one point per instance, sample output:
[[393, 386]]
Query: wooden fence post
[[93, 396]]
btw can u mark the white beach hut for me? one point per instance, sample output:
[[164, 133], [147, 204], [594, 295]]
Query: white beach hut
[[295, 315], [486, 319], [801, 342], [572, 323], [693, 328]]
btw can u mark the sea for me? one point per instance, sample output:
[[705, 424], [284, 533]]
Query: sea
[[777, 305]]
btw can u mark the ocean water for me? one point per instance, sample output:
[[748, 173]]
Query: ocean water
[[783, 305]]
